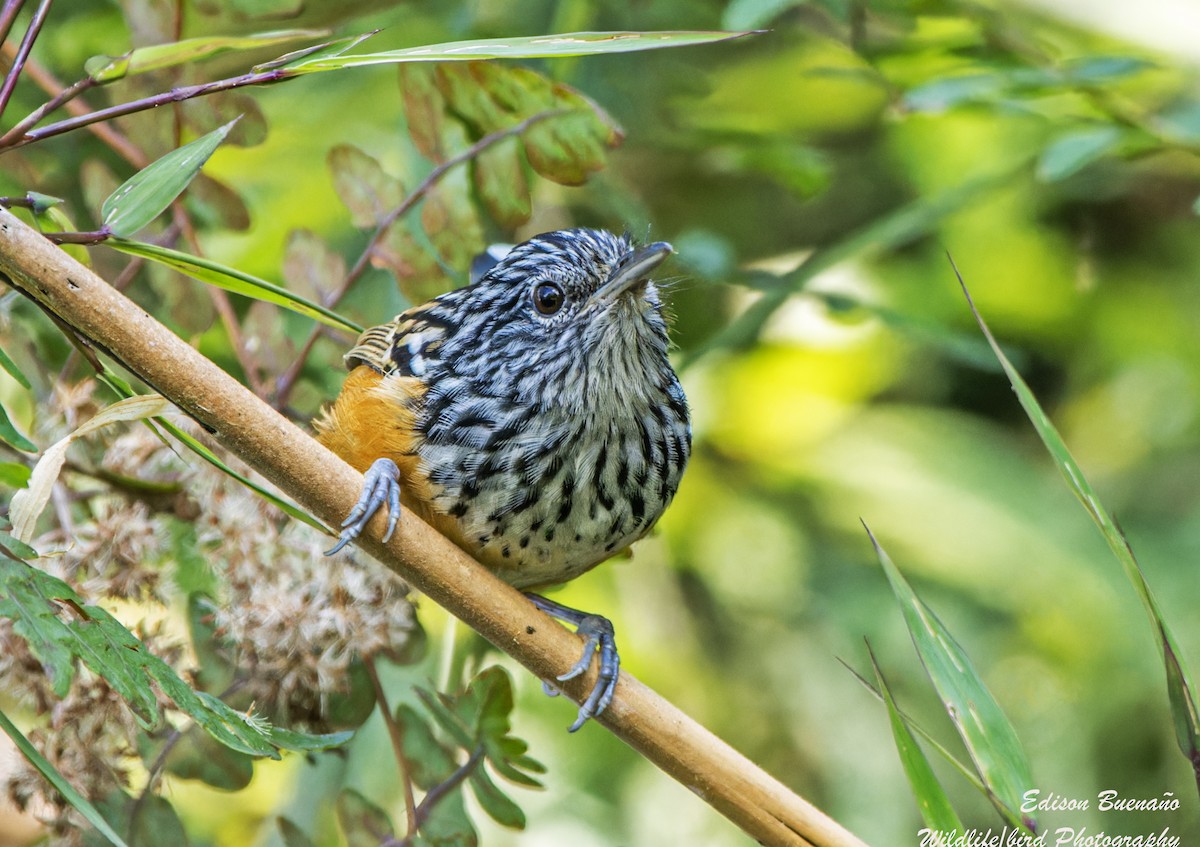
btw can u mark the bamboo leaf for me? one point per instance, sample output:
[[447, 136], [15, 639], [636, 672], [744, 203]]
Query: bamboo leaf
[[936, 811], [145, 195], [10, 434], [104, 69], [1181, 685], [989, 737], [234, 280], [530, 47]]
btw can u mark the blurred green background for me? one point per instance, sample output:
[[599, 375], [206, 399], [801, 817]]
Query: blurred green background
[[813, 179]]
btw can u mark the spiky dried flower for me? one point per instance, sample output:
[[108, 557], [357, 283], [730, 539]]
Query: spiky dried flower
[[294, 621]]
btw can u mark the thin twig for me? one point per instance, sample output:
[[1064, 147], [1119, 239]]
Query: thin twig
[[285, 383], [397, 736], [57, 101], [443, 789], [14, 72], [8, 14], [175, 95], [50, 84]]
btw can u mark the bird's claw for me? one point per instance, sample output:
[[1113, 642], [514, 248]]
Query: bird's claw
[[381, 484], [598, 634]]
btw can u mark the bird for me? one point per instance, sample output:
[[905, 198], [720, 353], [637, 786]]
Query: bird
[[533, 417]]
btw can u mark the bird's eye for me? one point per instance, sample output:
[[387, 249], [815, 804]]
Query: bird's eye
[[548, 297]]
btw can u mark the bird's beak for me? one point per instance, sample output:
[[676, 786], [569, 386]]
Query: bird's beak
[[632, 269]]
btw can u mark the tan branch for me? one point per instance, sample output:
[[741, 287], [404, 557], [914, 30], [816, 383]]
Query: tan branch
[[327, 487]]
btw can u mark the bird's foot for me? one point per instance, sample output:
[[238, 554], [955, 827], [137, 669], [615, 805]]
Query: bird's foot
[[598, 632], [381, 484]]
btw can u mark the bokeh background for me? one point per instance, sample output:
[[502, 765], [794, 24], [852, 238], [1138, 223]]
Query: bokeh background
[[813, 179]]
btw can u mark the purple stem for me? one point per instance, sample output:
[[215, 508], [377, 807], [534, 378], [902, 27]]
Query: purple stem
[[175, 95], [31, 34], [7, 15], [31, 120]]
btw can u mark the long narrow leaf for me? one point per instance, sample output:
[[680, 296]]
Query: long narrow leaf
[[29, 502], [145, 195], [529, 47], [1181, 685], [966, 771], [932, 801], [233, 280], [10, 367], [104, 69], [9, 433], [989, 737], [80, 803]]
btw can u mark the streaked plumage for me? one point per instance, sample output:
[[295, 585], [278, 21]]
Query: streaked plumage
[[534, 416]]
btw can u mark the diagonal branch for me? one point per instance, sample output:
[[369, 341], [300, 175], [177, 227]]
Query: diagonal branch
[[763, 807]]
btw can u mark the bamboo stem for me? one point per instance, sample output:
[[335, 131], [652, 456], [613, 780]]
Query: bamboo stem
[[327, 487]]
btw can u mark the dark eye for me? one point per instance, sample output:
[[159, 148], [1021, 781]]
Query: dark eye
[[548, 297]]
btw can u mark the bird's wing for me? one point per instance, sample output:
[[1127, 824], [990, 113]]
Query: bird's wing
[[402, 346]]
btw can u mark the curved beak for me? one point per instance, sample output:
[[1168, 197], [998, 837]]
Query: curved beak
[[632, 269]]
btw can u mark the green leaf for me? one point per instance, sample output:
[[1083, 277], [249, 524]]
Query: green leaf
[[145, 195], [60, 628], [14, 474], [362, 822], [570, 148], [990, 738], [431, 761], [934, 805], [80, 803], [350, 709], [10, 367], [1181, 685], [318, 51], [10, 434], [424, 108], [1074, 151], [104, 69], [442, 707], [500, 182], [530, 47], [498, 805], [15, 548], [233, 280]]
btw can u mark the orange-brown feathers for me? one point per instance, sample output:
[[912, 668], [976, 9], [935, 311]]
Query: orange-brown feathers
[[374, 417]]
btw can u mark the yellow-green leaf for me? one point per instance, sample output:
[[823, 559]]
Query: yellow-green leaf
[[529, 47]]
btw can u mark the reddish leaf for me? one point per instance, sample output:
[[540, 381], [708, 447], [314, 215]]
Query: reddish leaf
[[424, 108], [362, 184]]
